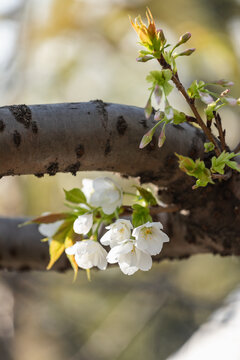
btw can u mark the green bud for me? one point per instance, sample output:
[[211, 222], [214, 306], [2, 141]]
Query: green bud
[[146, 139], [205, 97], [231, 101], [184, 38], [158, 94], [161, 36], [148, 109], [208, 146], [144, 58], [159, 115], [187, 52], [224, 83], [162, 136]]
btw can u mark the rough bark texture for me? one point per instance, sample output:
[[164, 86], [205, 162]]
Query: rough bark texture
[[46, 139]]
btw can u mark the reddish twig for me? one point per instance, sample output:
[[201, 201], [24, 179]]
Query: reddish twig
[[181, 89]]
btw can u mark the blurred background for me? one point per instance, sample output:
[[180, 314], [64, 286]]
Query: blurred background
[[80, 50]]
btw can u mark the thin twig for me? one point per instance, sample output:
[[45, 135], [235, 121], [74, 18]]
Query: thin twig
[[181, 89], [225, 176], [221, 132], [154, 210]]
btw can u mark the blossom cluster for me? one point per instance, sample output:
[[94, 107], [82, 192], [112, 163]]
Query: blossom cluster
[[132, 251], [132, 247]]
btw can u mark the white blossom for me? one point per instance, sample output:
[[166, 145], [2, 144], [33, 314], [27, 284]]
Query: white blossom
[[150, 238], [88, 253], [117, 233], [48, 230], [83, 224], [106, 194], [87, 188], [129, 258]]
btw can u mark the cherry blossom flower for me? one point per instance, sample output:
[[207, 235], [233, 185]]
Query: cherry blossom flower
[[117, 233], [129, 257], [83, 224], [48, 230], [150, 238], [106, 194], [88, 253], [87, 188]]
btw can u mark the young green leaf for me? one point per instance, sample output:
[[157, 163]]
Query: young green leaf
[[196, 169], [75, 196], [140, 215], [208, 146], [147, 195], [179, 117], [219, 163]]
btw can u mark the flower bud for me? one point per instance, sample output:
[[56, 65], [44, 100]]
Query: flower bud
[[162, 137], [144, 58], [158, 94], [148, 109], [187, 52], [184, 38]]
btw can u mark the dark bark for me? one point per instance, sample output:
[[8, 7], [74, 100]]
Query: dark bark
[[46, 139]]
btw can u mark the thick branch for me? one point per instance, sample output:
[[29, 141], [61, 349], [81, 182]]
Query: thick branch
[[75, 137], [21, 248], [97, 136]]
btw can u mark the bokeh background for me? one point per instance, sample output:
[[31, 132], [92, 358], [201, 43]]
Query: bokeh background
[[80, 50]]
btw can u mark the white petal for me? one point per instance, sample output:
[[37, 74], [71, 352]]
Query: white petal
[[106, 238], [116, 251], [109, 209], [49, 230], [72, 249], [128, 263], [83, 261], [126, 269], [87, 188], [83, 224], [144, 260]]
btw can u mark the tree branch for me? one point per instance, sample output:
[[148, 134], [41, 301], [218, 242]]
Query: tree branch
[[70, 137], [46, 139], [22, 250]]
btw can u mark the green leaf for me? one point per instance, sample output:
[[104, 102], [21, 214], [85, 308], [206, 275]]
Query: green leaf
[[162, 79], [75, 196], [179, 117], [147, 196], [195, 87], [208, 146], [196, 169], [210, 109], [140, 215], [78, 209], [219, 163]]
